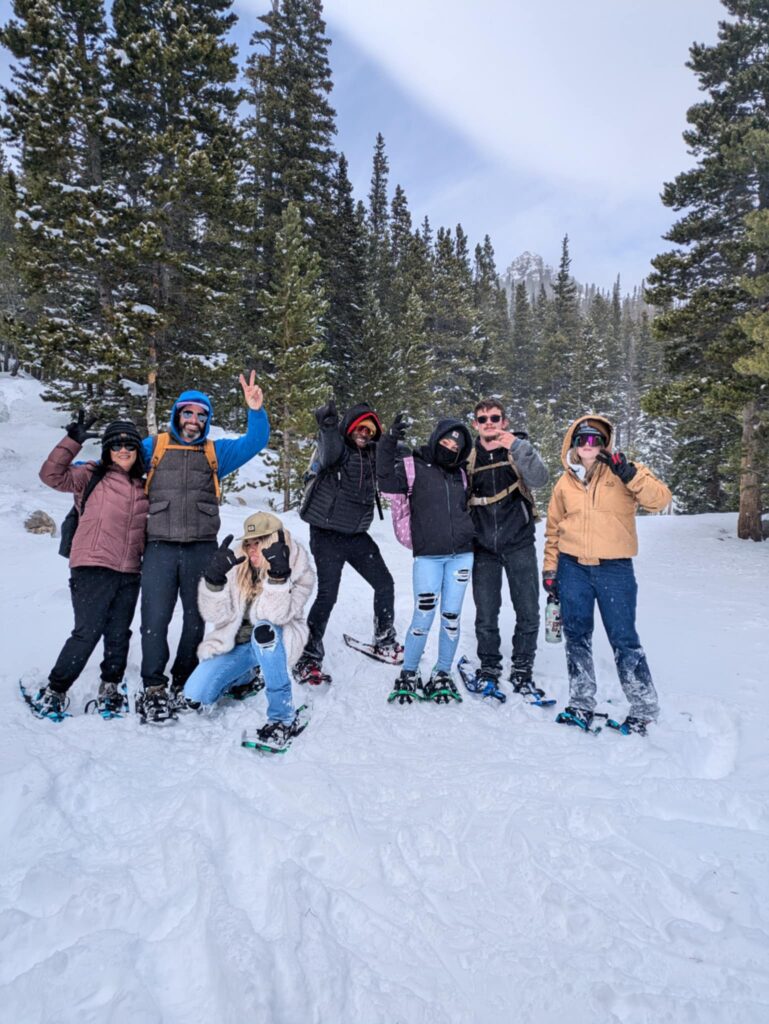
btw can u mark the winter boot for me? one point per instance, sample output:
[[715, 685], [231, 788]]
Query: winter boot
[[388, 650], [153, 706], [632, 725], [575, 716], [249, 689], [406, 688], [277, 736], [112, 701], [522, 682], [308, 670], [441, 688], [180, 704], [49, 703]]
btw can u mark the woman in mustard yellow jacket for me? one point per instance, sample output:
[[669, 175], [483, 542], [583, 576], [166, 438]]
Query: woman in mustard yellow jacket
[[590, 541]]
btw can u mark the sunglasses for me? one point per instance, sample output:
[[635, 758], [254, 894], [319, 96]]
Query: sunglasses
[[188, 414], [119, 446], [362, 429], [493, 418], [589, 441]]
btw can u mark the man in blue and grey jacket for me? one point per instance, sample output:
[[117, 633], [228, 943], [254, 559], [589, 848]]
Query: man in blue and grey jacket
[[183, 521]]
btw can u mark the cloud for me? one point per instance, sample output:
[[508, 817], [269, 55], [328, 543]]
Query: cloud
[[590, 95]]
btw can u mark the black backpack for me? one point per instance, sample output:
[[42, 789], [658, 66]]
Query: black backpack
[[72, 518]]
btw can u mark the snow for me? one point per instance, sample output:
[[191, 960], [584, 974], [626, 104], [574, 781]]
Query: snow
[[421, 865]]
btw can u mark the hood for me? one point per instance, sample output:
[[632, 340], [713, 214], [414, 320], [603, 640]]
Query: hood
[[191, 396], [361, 411], [601, 423], [442, 427]]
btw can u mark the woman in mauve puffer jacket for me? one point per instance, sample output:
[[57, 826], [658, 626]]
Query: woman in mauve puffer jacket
[[105, 561]]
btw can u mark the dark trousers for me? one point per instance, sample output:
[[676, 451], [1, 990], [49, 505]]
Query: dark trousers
[[331, 550], [520, 567], [171, 570], [104, 602], [611, 585]]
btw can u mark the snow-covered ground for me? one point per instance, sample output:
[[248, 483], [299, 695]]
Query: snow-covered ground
[[402, 865]]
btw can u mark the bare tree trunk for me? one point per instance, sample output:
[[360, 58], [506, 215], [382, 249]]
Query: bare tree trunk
[[749, 520], [152, 389], [286, 459]]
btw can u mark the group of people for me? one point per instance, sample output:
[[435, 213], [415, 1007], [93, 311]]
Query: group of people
[[149, 519]]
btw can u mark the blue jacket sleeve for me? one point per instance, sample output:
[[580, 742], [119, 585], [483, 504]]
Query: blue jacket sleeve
[[232, 453]]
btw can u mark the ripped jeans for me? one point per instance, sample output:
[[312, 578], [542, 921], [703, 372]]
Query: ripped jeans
[[437, 578], [265, 649]]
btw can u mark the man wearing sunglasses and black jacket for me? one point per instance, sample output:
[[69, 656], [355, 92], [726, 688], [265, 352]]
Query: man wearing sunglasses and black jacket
[[503, 468]]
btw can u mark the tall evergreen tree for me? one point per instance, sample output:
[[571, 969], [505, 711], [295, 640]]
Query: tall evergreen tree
[[294, 308], [172, 73], [491, 329], [11, 288], [521, 371], [699, 285]]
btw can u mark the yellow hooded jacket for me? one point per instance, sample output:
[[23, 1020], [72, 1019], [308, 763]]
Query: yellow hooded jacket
[[597, 520]]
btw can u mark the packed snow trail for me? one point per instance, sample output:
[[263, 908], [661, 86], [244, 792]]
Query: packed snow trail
[[415, 864]]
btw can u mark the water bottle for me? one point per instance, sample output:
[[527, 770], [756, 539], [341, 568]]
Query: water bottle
[[553, 626]]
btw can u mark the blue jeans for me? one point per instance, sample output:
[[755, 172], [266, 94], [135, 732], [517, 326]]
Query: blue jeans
[[613, 585], [265, 649], [435, 577]]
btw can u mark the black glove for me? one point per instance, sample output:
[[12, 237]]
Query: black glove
[[222, 560], [398, 427], [327, 415], [550, 583], [80, 429], [277, 556], [618, 464]]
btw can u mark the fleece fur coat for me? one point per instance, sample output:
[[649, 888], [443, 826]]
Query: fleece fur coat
[[282, 604]]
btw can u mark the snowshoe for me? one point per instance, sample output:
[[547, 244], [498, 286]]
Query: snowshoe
[[576, 716], [111, 702], [47, 703], [441, 688], [523, 685], [250, 689], [154, 707], [480, 683], [406, 689], [388, 651], [276, 737], [308, 670], [630, 725]]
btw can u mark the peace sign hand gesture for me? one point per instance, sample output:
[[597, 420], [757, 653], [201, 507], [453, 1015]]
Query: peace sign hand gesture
[[80, 429], [222, 560], [252, 393]]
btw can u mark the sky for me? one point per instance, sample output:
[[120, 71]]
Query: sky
[[525, 122]]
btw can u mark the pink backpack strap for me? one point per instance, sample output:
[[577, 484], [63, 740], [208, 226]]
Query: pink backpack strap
[[408, 465]]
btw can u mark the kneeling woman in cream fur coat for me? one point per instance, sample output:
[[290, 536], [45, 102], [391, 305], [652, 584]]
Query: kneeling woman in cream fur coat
[[255, 603]]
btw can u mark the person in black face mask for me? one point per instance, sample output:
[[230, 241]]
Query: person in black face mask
[[442, 531]]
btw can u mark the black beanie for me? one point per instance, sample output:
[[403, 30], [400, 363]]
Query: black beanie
[[121, 430]]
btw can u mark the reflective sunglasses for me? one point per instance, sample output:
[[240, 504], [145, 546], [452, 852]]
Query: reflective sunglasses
[[188, 414], [493, 418], [363, 429], [589, 441], [118, 446]]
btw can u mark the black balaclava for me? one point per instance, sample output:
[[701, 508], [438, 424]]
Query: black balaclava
[[445, 457]]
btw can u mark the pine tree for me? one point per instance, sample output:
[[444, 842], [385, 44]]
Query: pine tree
[[171, 74], [379, 265], [560, 355], [699, 285], [11, 289], [492, 339], [56, 117], [294, 308], [521, 371], [452, 324]]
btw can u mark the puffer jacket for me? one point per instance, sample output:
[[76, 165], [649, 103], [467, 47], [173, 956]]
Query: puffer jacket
[[281, 604], [596, 520], [112, 528], [344, 494], [440, 521]]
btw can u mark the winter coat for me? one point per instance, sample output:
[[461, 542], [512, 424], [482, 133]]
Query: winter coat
[[596, 520], [440, 521], [508, 524], [344, 494], [281, 604], [112, 527], [183, 502]]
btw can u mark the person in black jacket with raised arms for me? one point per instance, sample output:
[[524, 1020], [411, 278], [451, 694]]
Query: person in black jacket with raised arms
[[442, 540], [340, 508]]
